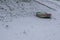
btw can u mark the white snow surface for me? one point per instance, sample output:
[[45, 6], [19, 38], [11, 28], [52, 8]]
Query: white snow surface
[[18, 21]]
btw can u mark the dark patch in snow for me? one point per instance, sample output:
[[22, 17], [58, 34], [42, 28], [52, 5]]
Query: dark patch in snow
[[24, 32], [7, 26], [17, 2]]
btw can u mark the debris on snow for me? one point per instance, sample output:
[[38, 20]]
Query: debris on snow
[[43, 15]]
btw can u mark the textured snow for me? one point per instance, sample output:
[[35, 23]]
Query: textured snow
[[18, 21]]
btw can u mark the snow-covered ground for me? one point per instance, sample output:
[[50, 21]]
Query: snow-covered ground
[[18, 22]]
